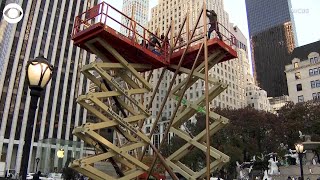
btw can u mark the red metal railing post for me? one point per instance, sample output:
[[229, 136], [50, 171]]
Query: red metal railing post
[[101, 12], [105, 21], [74, 26], [134, 31], [144, 38]]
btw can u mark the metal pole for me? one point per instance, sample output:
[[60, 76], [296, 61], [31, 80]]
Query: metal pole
[[206, 90], [35, 94], [301, 167], [37, 161]]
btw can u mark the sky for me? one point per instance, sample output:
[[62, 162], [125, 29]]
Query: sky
[[306, 12]]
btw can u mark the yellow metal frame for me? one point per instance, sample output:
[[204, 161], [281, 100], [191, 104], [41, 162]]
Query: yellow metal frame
[[199, 141], [126, 126], [126, 82]]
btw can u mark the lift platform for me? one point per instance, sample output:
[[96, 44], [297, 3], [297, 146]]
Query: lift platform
[[118, 103]]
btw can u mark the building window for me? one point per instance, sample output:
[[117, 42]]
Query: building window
[[314, 60], [295, 65], [311, 60], [300, 99], [317, 83], [299, 87], [314, 96], [310, 72], [315, 71], [313, 84], [147, 129], [156, 139], [298, 75]]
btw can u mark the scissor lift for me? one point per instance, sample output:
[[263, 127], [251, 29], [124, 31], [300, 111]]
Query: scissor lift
[[120, 78]]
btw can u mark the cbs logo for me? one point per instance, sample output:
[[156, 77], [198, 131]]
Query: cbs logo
[[12, 13]]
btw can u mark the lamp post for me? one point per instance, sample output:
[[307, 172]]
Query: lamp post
[[299, 149], [37, 161], [39, 72]]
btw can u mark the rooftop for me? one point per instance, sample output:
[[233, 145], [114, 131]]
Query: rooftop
[[302, 52]]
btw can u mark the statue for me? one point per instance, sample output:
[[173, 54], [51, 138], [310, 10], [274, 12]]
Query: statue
[[266, 176], [301, 136], [314, 161], [273, 167], [295, 155], [242, 172], [244, 169]]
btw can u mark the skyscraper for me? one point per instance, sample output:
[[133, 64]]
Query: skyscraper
[[230, 72], [45, 29], [2, 5], [5, 30], [273, 38], [256, 97], [140, 10]]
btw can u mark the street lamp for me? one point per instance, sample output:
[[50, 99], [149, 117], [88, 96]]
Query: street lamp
[[39, 72], [299, 149], [37, 161]]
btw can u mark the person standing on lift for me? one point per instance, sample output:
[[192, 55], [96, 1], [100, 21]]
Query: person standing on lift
[[213, 23]]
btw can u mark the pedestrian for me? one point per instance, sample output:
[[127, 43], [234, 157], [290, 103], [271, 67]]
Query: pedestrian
[[289, 178], [212, 15]]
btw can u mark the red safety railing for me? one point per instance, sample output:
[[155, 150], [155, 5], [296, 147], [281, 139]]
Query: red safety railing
[[109, 16], [226, 35]]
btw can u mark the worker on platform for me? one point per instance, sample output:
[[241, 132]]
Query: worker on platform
[[144, 44], [213, 23], [166, 42], [153, 41]]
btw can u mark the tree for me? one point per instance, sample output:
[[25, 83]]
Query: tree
[[251, 132], [304, 117], [248, 133]]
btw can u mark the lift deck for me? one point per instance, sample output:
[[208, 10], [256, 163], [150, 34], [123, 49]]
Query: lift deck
[[132, 51], [213, 45], [119, 83]]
